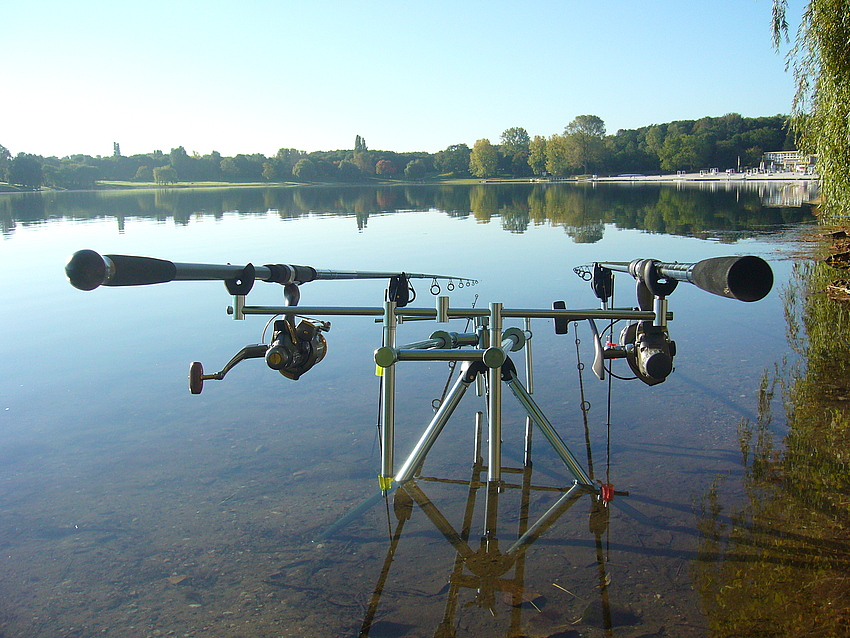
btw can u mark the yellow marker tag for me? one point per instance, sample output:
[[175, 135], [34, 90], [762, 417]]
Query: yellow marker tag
[[379, 371], [385, 482]]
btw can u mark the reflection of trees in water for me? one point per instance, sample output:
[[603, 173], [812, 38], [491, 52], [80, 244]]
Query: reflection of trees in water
[[779, 565], [587, 234], [7, 219], [582, 210]]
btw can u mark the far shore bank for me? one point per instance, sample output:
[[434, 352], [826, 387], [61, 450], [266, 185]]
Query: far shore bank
[[626, 178], [710, 177]]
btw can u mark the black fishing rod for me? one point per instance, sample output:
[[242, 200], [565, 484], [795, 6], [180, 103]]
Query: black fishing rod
[[747, 278], [87, 269]]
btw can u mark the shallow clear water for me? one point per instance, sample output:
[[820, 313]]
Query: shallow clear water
[[129, 507]]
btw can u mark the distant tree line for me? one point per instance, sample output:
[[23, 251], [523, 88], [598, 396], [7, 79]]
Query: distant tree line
[[730, 141]]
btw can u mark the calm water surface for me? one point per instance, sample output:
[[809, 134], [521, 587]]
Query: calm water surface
[[129, 507]]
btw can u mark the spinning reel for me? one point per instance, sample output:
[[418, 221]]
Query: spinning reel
[[294, 349], [292, 352]]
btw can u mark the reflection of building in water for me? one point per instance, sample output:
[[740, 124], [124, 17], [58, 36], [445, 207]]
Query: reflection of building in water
[[771, 193], [788, 195], [792, 161]]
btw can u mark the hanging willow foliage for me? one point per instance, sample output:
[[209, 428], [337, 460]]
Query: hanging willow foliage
[[820, 59]]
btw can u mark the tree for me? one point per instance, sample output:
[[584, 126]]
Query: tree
[[558, 155], [513, 151], [483, 159], [25, 170], [304, 170], [683, 152], [286, 158], [365, 162], [518, 165], [165, 175], [70, 176], [182, 163], [455, 160], [537, 155], [586, 135], [5, 158], [625, 153], [243, 168], [654, 138], [144, 174], [821, 108], [515, 140], [348, 171], [360, 145], [229, 169], [212, 166], [415, 169], [385, 167]]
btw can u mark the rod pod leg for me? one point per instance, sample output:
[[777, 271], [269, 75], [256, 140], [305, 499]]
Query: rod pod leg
[[385, 479], [548, 430], [438, 422]]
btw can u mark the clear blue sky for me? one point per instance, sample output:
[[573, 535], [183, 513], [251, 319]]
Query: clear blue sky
[[258, 75]]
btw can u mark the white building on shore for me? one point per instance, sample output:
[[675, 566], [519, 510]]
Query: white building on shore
[[788, 161]]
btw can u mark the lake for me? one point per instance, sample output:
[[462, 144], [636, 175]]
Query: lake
[[129, 507]]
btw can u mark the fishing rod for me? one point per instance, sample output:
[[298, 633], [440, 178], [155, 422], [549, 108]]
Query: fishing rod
[[746, 278], [87, 269]]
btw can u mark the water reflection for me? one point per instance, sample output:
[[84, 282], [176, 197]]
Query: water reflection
[[129, 507], [780, 558], [487, 575], [581, 209]]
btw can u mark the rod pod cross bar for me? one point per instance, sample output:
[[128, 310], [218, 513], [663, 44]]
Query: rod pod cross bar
[[87, 269], [746, 278]]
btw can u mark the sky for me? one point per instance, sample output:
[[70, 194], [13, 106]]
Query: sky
[[253, 76]]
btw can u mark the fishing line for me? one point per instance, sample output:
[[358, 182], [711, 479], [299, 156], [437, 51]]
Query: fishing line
[[585, 404], [266, 327]]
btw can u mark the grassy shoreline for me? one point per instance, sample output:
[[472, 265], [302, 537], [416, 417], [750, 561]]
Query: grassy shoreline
[[102, 185], [690, 177]]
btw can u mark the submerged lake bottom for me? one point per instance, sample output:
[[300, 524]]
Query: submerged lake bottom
[[129, 507], [222, 535]]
